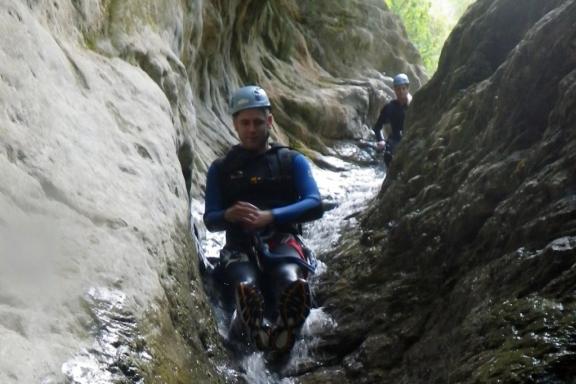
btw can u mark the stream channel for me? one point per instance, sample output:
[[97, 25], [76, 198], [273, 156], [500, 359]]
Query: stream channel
[[350, 180]]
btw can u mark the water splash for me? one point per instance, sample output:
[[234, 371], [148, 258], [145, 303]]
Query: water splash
[[256, 370], [351, 189], [118, 348], [302, 356]]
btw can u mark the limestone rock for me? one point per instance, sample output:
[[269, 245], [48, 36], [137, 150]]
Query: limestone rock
[[464, 268], [111, 112]]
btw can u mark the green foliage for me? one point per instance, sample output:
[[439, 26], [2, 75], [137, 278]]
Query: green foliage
[[426, 30]]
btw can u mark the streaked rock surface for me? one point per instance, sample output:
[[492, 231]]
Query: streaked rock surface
[[110, 113], [464, 268]]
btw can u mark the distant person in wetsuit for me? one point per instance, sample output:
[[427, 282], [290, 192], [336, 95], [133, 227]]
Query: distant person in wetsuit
[[393, 113], [257, 193]]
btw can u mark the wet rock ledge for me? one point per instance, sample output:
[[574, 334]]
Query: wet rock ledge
[[464, 268]]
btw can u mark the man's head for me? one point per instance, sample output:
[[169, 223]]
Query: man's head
[[250, 109], [401, 85]]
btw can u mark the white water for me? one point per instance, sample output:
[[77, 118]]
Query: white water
[[351, 190]]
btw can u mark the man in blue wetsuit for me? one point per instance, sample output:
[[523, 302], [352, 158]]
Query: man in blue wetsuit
[[393, 113], [258, 193]]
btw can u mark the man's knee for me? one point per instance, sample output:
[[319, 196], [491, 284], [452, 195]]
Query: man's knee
[[288, 272]]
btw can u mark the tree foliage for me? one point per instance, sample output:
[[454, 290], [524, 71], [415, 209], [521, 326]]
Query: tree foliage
[[427, 31]]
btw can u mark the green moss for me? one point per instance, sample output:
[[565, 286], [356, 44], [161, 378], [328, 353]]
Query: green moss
[[172, 360], [523, 338], [300, 147], [182, 335], [90, 40]]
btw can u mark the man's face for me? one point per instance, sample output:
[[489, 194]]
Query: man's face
[[401, 92], [253, 128]]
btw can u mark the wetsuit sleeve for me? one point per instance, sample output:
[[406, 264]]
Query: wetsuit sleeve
[[213, 205], [307, 190], [382, 119]]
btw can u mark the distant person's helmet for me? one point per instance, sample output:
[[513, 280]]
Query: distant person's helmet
[[248, 97], [401, 79]]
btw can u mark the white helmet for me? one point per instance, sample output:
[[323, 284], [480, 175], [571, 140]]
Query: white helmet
[[248, 97], [401, 79]]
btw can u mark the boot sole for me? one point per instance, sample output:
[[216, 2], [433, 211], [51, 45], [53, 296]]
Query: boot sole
[[295, 304], [294, 309], [250, 304]]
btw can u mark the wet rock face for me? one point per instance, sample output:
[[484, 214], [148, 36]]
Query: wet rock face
[[96, 261], [323, 83], [111, 111], [464, 269], [348, 37]]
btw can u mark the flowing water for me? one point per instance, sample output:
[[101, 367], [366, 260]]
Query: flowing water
[[117, 343], [116, 347], [348, 185]]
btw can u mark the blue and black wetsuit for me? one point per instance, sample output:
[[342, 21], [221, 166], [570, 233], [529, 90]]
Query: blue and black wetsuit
[[260, 180], [270, 181], [393, 113]]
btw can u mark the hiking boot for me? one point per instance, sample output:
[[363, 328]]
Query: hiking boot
[[294, 309], [295, 304], [250, 310], [282, 339]]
